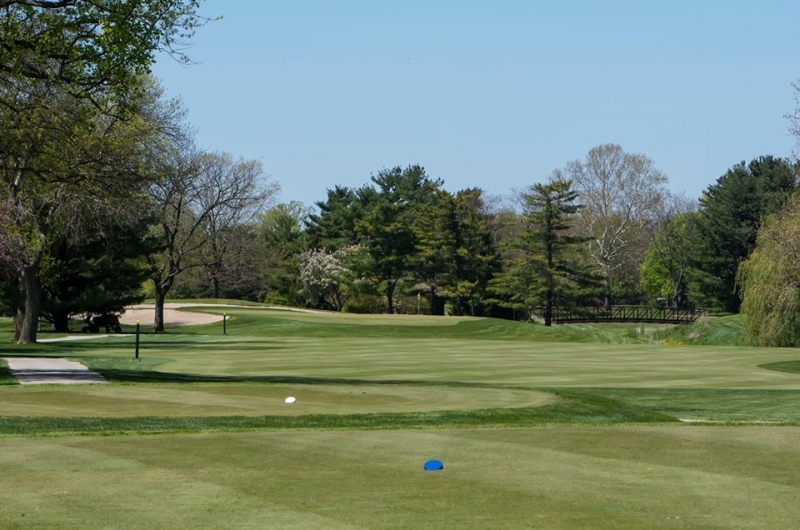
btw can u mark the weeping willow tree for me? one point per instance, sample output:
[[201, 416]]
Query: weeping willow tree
[[770, 281]]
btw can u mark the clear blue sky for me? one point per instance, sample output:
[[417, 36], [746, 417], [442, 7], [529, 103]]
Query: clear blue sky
[[493, 94]]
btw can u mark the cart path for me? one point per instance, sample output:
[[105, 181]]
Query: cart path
[[51, 371]]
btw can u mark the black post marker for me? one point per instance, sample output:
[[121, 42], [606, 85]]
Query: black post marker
[[136, 356]]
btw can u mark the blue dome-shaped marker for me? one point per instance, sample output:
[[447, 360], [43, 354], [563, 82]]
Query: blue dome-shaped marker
[[433, 465]]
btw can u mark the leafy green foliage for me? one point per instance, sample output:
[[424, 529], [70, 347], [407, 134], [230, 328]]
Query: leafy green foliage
[[667, 264], [282, 239], [74, 134], [334, 227], [455, 254], [543, 269], [731, 212], [98, 273], [90, 47], [386, 229], [769, 280]]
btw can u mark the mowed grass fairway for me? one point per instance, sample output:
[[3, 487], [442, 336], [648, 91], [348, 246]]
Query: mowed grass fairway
[[569, 427]]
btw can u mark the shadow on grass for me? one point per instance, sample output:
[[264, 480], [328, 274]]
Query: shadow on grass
[[117, 375], [70, 347], [6, 377], [791, 367]]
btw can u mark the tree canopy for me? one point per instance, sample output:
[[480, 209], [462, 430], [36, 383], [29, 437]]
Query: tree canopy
[[71, 96], [543, 269], [769, 281], [731, 212]]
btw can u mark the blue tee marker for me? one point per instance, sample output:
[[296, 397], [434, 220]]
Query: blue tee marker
[[433, 465]]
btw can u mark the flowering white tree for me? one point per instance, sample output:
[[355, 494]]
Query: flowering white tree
[[322, 274]]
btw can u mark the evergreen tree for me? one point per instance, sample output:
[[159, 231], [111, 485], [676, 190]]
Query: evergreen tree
[[545, 268], [731, 211], [386, 228]]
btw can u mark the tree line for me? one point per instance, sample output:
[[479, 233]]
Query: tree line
[[107, 199]]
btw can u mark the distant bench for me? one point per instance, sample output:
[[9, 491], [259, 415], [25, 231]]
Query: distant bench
[[622, 313]]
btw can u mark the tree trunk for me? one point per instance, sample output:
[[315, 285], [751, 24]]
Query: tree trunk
[[214, 285], [432, 307], [19, 318], [32, 299], [548, 310], [158, 322], [390, 297], [61, 321], [458, 307], [17, 304], [606, 288]]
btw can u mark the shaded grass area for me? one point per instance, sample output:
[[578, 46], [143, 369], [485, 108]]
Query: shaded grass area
[[5, 374], [719, 405], [790, 367]]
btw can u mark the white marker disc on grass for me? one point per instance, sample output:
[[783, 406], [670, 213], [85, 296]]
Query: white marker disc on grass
[[289, 400]]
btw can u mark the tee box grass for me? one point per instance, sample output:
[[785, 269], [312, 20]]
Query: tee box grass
[[567, 427]]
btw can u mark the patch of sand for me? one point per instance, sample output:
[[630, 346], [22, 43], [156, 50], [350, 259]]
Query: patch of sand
[[173, 316], [146, 315]]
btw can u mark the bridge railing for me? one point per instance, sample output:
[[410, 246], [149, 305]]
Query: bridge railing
[[622, 313]]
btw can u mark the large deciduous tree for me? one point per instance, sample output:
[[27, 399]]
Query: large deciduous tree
[[794, 117], [233, 194], [70, 74], [90, 47], [323, 276], [61, 167], [200, 198], [620, 193], [666, 268]]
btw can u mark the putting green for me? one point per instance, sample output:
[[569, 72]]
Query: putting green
[[253, 399]]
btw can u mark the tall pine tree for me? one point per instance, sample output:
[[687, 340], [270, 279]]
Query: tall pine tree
[[544, 267]]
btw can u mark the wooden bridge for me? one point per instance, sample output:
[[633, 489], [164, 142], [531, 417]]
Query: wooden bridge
[[622, 313]]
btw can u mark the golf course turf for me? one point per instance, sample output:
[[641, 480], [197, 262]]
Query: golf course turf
[[616, 426]]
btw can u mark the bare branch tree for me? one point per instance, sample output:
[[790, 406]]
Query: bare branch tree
[[621, 194], [201, 198], [233, 193]]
